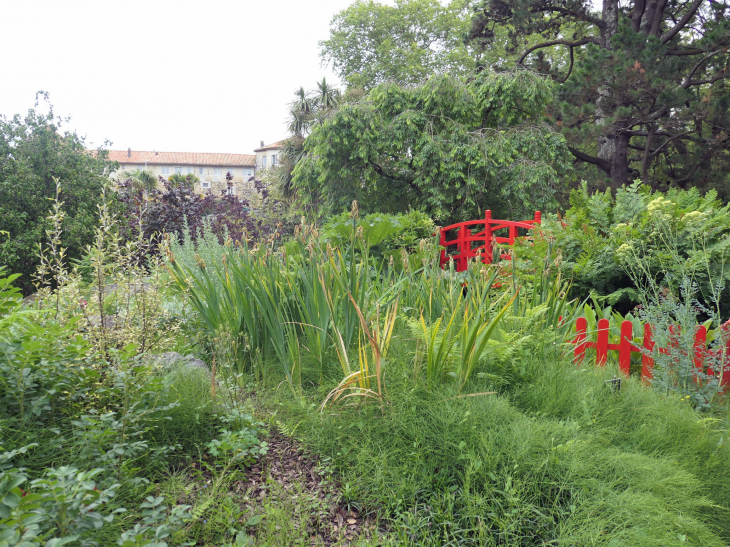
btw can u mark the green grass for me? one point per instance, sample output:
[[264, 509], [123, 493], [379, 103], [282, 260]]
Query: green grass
[[192, 423], [554, 459]]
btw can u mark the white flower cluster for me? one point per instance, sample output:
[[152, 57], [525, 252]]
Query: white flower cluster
[[658, 204], [695, 219]]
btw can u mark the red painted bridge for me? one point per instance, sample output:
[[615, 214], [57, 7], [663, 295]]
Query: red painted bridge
[[477, 237]]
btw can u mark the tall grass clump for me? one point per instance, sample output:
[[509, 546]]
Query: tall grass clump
[[309, 302], [558, 458]]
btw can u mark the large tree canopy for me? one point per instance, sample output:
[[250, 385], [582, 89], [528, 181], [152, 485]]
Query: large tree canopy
[[32, 152], [644, 89], [371, 43], [451, 147]]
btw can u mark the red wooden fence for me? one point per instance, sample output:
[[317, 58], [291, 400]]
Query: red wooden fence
[[470, 244], [626, 346]]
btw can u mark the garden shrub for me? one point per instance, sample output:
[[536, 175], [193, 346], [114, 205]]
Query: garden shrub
[[81, 435], [618, 246], [385, 236], [33, 151]]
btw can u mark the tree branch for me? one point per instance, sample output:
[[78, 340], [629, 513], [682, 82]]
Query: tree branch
[[644, 133], [690, 51], [657, 22], [636, 14], [679, 136], [600, 162], [379, 170], [694, 69], [581, 16], [581, 42], [682, 22], [570, 68], [712, 80]]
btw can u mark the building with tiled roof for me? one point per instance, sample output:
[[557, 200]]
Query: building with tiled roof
[[210, 168], [182, 158], [267, 155]]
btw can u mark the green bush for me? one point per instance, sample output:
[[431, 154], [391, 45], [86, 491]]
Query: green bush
[[33, 152], [81, 438], [385, 235], [623, 247]]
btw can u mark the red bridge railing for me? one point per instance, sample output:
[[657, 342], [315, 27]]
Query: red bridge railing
[[476, 237]]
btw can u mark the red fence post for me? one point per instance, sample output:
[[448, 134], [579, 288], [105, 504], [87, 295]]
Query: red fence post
[[699, 350], [647, 363], [488, 235], [580, 340], [466, 249], [442, 242], [624, 347], [538, 217], [602, 342]]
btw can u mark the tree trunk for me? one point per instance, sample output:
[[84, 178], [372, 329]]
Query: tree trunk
[[614, 148], [613, 143]]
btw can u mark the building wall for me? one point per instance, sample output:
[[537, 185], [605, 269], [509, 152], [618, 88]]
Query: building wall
[[209, 180], [268, 154]]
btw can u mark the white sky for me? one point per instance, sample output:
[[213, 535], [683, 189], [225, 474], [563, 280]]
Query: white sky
[[165, 75]]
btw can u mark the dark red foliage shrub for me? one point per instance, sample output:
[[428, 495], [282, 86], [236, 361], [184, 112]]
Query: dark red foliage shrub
[[168, 211]]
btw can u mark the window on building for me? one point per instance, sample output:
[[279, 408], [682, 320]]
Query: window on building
[[274, 160], [248, 172], [165, 170], [230, 170], [141, 167], [178, 170], [200, 170], [190, 170], [205, 185], [217, 173], [121, 167], [263, 161]]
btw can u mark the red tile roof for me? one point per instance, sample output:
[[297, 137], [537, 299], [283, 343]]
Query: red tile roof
[[183, 158], [273, 146]]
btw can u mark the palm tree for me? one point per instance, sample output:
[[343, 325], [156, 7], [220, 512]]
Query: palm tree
[[300, 112], [178, 179], [143, 181], [328, 96], [305, 111]]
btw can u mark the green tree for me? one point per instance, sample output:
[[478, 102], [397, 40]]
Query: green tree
[[144, 180], [643, 89], [179, 179], [451, 147], [371, 43], [32, 152]]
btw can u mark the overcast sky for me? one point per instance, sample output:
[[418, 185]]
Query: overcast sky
[[165, 75]]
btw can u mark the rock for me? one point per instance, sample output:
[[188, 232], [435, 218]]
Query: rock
[[173, 359]]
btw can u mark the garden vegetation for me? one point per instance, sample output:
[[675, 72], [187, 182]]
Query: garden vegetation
[[299, 369]]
